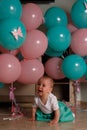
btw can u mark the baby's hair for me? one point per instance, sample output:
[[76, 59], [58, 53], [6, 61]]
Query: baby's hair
[[47, 78]]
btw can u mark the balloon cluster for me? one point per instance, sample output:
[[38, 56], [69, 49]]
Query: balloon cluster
[[78, 44], [12, 36], [22, 42], [19, 36], [67, 31]]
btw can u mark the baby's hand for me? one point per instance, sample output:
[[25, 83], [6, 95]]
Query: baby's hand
[[32, 119], [53, 122]]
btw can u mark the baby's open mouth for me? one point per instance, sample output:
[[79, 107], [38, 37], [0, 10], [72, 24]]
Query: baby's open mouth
[[40, 91]]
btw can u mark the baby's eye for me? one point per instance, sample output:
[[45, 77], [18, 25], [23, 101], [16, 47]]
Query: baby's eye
[[43, 85]]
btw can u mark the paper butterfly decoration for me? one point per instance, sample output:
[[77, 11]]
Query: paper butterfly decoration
[[16, 33]]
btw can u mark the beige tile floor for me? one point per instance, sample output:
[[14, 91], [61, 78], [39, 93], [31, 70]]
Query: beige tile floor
[[23, 123]]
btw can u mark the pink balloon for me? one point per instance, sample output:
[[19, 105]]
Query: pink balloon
[[13, 52], [79, 42], [71, 27], [32, 70], [53, 68], [10, 68], [35, 45], [32, 16]]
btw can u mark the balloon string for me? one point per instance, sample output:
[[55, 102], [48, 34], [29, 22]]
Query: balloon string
[[76, 84], [12, 96], [15, 109]]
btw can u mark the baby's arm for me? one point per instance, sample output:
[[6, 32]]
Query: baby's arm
[[56, 117], [33, 114]]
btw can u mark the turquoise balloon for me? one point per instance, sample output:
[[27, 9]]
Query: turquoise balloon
[[55, 16], [74, 67], [10, 9], [59, 38], [1, 85], [12, 33], [79, 14], [52, 53]]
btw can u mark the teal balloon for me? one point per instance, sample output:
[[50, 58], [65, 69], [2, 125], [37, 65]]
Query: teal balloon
[[52, 53], [8, 29], [1, 85], [79, 14], [55, 16], [59, 38], [10, 9], [74, 67]]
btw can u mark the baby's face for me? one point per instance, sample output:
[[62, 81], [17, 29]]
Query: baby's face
[[43, 87]]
